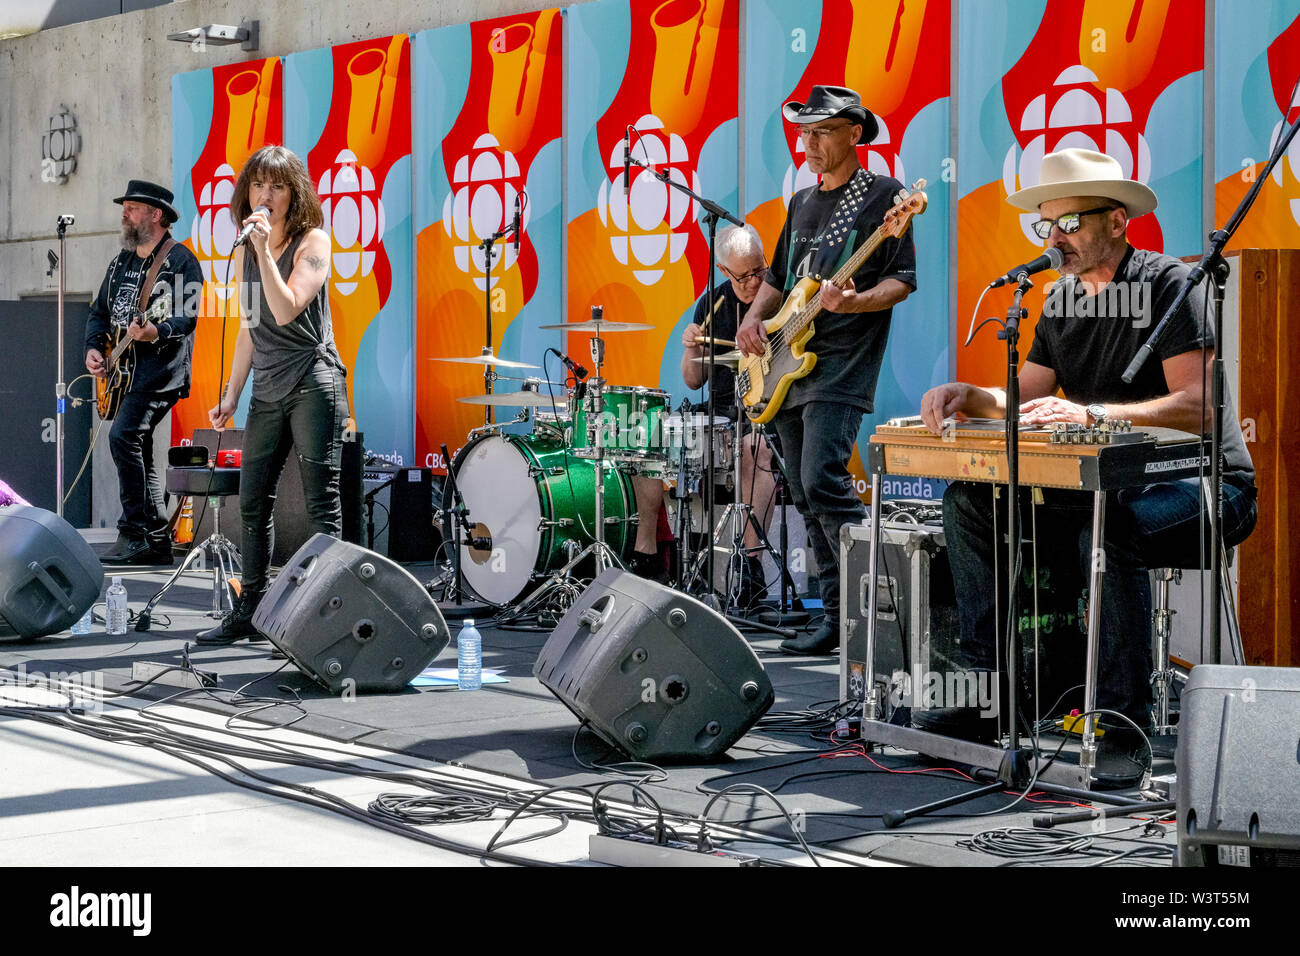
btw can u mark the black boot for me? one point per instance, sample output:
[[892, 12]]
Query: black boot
[[129, 550], [236, 625], [824, 640], [649, 566]]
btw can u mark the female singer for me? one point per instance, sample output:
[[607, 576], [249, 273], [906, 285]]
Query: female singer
[[299, 399]]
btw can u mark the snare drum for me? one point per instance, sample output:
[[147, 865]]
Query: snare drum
[[692, 434], [631, 422], [532, 499]]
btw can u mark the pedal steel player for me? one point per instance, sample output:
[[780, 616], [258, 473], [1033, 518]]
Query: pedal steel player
[[1082, 345], [818, 422]]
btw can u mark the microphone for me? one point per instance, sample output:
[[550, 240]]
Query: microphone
[[514, 228], [627, 158], [1051, 259], [248, 228], [578, 371], [480, 544]]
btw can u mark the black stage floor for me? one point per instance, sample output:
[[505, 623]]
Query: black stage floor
[[836, 792]]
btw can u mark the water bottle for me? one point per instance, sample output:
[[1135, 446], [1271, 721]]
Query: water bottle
[[84, 625], [116, 616], [469, 657]]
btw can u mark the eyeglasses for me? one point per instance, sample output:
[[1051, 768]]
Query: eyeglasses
[[818, 132], [1068, 223], [745, 277]]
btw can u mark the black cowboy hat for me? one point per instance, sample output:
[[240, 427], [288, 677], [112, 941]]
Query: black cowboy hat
[[151, 194], [827, 102]]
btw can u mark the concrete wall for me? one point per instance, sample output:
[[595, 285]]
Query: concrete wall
[[114, 75]]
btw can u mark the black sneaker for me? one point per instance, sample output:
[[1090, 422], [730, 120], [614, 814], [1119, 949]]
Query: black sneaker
[[649, 566], [236, 625], [753, 585]]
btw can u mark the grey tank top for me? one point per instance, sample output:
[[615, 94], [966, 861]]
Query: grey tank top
[[283, 354]]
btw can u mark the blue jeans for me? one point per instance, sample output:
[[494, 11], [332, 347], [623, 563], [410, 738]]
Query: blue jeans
[[817, 442], [309, 420], [144, 515], [1148, 527]]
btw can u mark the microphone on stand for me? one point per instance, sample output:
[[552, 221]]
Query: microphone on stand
[[577, 370], [627, 159], [518, 221], [1050, 259], [248, 228]]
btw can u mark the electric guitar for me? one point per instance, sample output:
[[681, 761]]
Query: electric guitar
[[120, 362], [763, 380]]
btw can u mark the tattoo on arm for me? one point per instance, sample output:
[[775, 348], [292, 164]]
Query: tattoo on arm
[[317, 263]]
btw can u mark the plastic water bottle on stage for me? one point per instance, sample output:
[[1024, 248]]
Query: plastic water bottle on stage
[[116, 615], [469, 657]]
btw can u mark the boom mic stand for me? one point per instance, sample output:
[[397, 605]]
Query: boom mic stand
[[1213, 264], [712, 213], [489, 372]]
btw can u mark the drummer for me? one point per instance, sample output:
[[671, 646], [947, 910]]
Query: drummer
[[741, 260]]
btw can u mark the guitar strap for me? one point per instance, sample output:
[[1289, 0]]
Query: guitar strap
[[836, 234], [159, 260]]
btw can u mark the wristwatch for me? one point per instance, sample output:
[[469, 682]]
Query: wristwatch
[[1096, 414]]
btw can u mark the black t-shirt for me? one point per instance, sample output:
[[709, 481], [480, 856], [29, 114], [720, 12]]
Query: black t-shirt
[[1089, 340], [849, 348], [729, 310], [164, 364]]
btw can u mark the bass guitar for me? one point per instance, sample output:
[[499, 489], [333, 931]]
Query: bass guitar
[[763, 380]]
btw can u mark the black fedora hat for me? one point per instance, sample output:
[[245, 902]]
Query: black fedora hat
[[827, 102], [151, 194]]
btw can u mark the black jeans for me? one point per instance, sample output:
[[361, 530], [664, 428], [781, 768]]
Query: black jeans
[[144, 516], [817, 441], [309, 420], [1148, 527]]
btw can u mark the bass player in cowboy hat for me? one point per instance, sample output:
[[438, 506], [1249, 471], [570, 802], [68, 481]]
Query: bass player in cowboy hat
[[818, 420], [1094, 321]]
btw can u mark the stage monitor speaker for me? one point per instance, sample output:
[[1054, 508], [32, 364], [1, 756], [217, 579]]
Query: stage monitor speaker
[[1239, 767], [351, 619], [49, 575], [655, 673]]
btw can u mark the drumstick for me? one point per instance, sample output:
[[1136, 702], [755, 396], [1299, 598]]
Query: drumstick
[[704, 339], [709, 318]]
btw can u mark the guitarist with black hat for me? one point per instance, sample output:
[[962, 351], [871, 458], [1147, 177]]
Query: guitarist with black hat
[[819, 411], [147, 306]]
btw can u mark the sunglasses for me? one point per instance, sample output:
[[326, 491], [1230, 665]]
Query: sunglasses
[[1069, 223]]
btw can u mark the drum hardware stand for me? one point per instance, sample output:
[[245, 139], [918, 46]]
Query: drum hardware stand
[[460, 521], [599, 551], [786, 613], [712, 213], [489, 372]]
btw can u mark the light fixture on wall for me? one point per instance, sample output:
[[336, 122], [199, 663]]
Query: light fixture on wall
[[220, 34]]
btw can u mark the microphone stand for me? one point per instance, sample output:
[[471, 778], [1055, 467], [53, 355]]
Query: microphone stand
[[1213, 264], [490, 371], [60, 386], [712, 213]]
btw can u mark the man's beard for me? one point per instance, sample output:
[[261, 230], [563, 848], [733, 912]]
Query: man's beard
[[133, 236]]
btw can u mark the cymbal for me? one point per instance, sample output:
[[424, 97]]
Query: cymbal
[[602, 326], [729, 359], [517, 400], [483, 360]]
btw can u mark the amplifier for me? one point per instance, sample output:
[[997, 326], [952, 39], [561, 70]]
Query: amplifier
[[917, 631]]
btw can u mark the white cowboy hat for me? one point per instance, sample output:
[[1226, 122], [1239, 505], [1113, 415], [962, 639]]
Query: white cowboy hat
[[1084, 172]]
